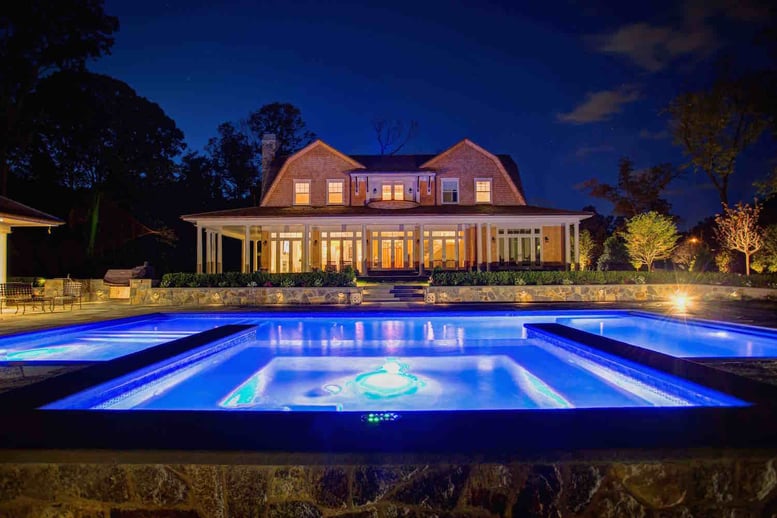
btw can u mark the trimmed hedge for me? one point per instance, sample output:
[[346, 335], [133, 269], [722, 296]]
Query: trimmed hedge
[[259, 280], [520, 278]]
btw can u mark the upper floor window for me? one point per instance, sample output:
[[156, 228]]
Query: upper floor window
[[301, 192], [399, 191], [450, 190], [482, 190], [386, 191], [334, 192]]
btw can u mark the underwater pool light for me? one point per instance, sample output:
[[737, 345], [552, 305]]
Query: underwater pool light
[[391, 380]]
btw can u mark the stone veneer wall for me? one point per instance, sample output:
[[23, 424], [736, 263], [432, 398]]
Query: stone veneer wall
[[93, 290], [590, 293], [141, 292], [707, 487]]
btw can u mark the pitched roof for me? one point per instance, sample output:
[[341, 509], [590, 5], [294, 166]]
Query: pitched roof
[[341, 210], [14, 210], [398, 163], [385, 163]]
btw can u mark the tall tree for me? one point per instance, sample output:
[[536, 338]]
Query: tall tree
[[737, 229], [714, 127], [283, 120], [37, 38], [649, 236], [233, 158], [105, 139], [636, 191], [392, 135]]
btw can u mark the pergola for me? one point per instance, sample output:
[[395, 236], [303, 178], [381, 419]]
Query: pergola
[[15, 214]]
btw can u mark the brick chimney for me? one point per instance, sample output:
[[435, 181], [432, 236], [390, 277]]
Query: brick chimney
[[269, 147]]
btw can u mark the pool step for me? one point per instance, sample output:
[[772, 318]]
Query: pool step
[[393, 293]]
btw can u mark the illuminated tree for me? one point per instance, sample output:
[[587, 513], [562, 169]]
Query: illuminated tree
[[737, 229], [766, 257], [686, 253], [587, 246], [649, 236]]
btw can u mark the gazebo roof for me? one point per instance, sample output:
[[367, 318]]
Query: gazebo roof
[[15, 214]]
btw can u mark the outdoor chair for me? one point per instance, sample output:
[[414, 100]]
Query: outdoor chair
[[71, 292]]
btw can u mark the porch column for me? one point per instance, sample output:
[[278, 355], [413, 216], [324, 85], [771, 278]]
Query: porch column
[[306, 248], [567, 251], [465, 238], [208, 251], [199, 249], [247, 250], [421, 249], [219, 246], [488, 246], [577, 245], [365, 252], [479, 251], [4, 231]]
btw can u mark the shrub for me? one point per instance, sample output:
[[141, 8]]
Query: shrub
[[347, 277], [538, 277]]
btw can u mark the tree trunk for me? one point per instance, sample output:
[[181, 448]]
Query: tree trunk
[[747, 264], [94, 219]]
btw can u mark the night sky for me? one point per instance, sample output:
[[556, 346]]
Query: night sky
[[566, 88]]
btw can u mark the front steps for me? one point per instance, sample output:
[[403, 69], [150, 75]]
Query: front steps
[[386, 293]]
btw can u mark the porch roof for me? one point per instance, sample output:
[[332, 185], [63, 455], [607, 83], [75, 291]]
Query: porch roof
[[13, 213], [361, 211]]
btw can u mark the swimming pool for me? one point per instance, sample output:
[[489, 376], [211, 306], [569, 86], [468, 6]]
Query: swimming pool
[[102, 341], [393, 362], [680, 338]]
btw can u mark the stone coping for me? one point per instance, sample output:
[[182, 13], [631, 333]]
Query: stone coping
[[591, 293]]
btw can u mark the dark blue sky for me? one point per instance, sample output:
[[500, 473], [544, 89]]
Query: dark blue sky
[[566, 88]]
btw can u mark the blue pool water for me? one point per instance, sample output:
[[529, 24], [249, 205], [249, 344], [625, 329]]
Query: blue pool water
[[678, 338], [395, 362], [103, 341]]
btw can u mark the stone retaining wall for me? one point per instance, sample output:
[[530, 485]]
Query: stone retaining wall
[[590, 293], [141, 292], [708, 487], [93, 290]]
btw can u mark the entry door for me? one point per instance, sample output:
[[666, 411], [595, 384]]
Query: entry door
[[385, 253], [399, 256], [285, 256]]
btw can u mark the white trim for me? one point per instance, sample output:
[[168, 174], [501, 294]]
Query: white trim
[[490, 182], [442, 191], [294, 192], [329, 182]]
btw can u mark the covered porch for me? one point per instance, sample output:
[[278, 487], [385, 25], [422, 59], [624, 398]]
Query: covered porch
[[380, 245]]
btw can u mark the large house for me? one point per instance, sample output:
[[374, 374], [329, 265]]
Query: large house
[[463, 208]]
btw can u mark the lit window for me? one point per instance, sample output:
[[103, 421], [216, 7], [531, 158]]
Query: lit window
[[450, 191], [334, 192], [386, 191], [301, 192], [483, 191], [399, 191]]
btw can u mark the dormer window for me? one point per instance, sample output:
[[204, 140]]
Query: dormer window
[[301, 192], [450, 190], [334, 192], [482, 190]]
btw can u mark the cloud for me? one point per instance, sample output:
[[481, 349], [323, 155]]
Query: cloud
[[654, 135], [584, 151], [654, 47], [600, 106]]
